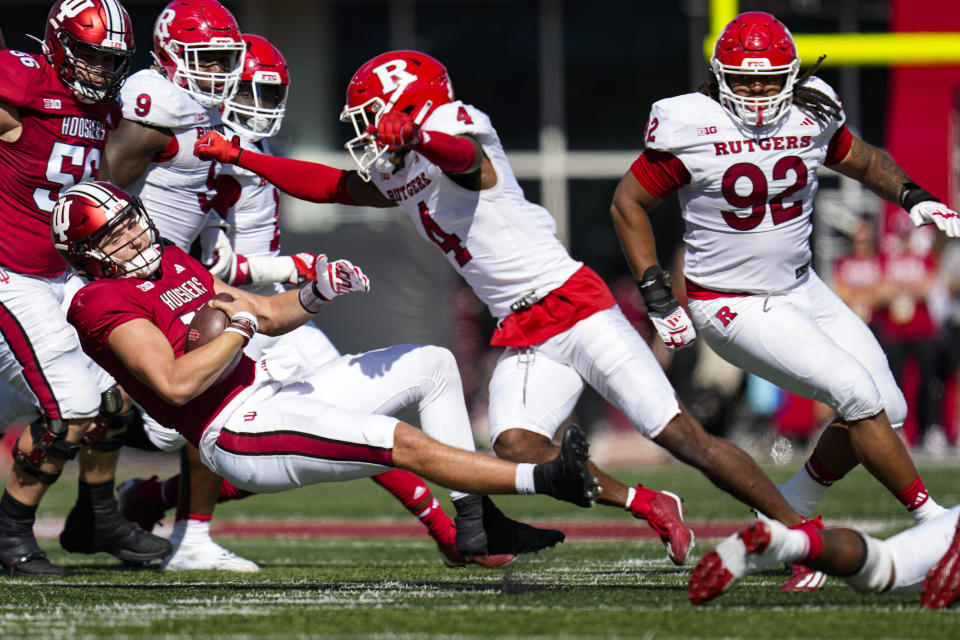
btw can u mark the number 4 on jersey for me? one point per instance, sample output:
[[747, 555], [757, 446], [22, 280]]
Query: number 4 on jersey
[[448, 242]]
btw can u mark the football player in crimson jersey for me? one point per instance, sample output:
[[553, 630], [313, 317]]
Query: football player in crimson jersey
[[56, 111], [241, 246], [442, 161], [198, 58], [269, 426], [743, 155]]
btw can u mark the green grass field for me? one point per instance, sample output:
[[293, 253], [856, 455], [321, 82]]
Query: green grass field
[[363, 588]]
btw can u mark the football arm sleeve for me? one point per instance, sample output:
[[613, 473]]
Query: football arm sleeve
[[305, 180]]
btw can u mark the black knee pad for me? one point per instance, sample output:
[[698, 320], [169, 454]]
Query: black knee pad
[[111, 420], [49, 440]]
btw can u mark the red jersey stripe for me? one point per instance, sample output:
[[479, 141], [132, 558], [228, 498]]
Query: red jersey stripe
[[301, 444]]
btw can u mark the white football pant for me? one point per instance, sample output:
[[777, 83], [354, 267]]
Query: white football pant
[[536, 388], [808, 342]]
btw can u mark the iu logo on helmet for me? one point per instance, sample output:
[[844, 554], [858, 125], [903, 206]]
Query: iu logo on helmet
[[72, 8]]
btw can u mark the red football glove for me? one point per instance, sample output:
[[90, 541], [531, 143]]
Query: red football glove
[[397, 129], [305, 265], [213, 146]]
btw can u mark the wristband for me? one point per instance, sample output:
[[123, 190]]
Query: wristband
[[911, 195], [311, 299], [655, 289], [244, 324]]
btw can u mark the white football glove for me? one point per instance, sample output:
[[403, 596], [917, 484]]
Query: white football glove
[[675, 328], [339, 277], [931, 211]]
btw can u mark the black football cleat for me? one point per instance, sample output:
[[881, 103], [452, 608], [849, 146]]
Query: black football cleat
[[567, 477], [98, 525], [483, 530], [20, 555]]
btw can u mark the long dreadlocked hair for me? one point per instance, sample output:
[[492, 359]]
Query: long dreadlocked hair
[[816, 103]]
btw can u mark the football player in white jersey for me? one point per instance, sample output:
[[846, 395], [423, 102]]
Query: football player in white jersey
[[442, 161], [241, 246], [743, 155], [924, 558]]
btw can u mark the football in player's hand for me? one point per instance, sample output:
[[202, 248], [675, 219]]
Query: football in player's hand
[[207, 324]]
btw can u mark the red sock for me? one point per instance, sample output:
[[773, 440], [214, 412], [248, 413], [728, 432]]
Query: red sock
[[640, 506], [169, 490], [914, 496], [415, 495], [406, 487], [812, 528], [229, 492], [820, 473]]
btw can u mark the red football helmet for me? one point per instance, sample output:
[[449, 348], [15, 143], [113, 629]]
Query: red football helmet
[[756, 43], [409, 81], [258, 106], [191, 33], [78, 29], [88, 213]]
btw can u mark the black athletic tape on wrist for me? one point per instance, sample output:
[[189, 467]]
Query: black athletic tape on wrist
[[655, 288], [311, 299], [911, 195]]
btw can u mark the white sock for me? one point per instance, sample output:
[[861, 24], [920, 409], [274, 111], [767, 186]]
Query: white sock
[[794, 546], [928, 511], [190, 531], [524, 479], [786, 545], [802, 492]]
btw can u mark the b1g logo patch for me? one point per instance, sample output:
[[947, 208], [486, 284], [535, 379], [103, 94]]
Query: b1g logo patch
[[725, 316]]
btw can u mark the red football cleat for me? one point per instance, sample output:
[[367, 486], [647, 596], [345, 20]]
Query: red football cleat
[[941, 588], [804, 579], [446, 539], [731, 560], [665, 516], [450, 557]]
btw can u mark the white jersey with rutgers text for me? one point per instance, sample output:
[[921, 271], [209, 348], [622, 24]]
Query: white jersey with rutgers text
[[177, 183], [504, 246], [747, 207]]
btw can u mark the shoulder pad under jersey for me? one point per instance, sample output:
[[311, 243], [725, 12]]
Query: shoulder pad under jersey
[[674, 122], [149, 98], [457, 119]]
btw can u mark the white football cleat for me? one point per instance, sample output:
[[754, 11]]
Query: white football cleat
[[207, 556]]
